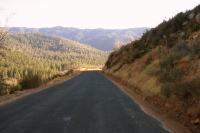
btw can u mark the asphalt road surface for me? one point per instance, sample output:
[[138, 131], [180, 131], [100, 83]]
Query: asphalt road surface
[[87, 103]]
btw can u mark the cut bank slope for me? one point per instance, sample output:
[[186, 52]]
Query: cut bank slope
[[164, 66]]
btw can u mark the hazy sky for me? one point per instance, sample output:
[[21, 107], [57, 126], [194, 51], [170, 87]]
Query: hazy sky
[[108, 14]]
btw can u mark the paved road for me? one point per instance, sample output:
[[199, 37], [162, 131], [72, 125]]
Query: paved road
[[88, 103]]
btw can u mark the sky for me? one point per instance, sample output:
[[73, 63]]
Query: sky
[[90, 14]]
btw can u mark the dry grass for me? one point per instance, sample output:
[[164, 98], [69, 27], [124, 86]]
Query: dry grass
[[146, 76], [134, 75]]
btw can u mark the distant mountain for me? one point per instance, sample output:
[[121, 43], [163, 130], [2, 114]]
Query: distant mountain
[[102, 39]]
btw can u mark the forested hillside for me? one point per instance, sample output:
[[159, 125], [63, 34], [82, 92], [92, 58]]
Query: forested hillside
[[31, 59], [102, 39], [55, 48], [164, 66]]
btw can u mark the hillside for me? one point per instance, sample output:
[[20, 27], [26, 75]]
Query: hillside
[[55, 48], [102, 39], [164, 67], [31, 59]]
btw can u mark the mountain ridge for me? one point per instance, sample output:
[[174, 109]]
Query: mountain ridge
[[102, 39]]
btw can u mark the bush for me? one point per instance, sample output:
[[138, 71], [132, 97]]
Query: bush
[[195, 27], [3, 87], [7, 89], [149, 60], [56, 75], [194, 48], [149, 70], [120, 66], [31, 82], [167, 89], [174, 75], [108, 63], [68, 72], [12, 89], [183, 90], [168, 62], [181, 47], [116, 61]]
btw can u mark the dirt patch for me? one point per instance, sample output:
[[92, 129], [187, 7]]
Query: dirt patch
[[171, 116], [10, 97]]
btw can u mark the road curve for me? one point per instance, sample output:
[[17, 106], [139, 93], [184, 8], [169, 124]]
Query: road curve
[[87, 103]]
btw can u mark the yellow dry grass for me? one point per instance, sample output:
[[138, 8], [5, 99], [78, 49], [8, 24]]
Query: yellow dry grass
[[134, 75], [145, 77]]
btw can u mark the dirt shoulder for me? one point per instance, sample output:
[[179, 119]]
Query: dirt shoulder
[[10, 97], [152, 108]]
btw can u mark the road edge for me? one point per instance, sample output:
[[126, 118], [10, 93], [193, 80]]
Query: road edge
[[168, 124], [11, 97]]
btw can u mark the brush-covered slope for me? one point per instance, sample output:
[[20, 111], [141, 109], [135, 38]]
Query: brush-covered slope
[[165, 62]]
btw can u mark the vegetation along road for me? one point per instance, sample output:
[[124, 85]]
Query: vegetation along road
[[87, 103]]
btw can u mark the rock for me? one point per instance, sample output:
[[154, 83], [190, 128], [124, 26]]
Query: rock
[[186, 22], [164, 36], [198, 18], [144, 98], [191, 16], [182, 34], [17, 92], [172, 35], [192, 111], [196, 121], [195, 37], [167, 105]]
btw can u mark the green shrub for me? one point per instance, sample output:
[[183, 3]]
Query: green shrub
[[68, 72], [56, 75], [174, 75], [149, 70], [3, 87], [181, 47], [127, 60], [183, 90], [195, 27], [108, 63], [167, 89], [149, 60], [116, 61], [120, 66], [194, 48], [168, 62], [31, 82], [12, 89]]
